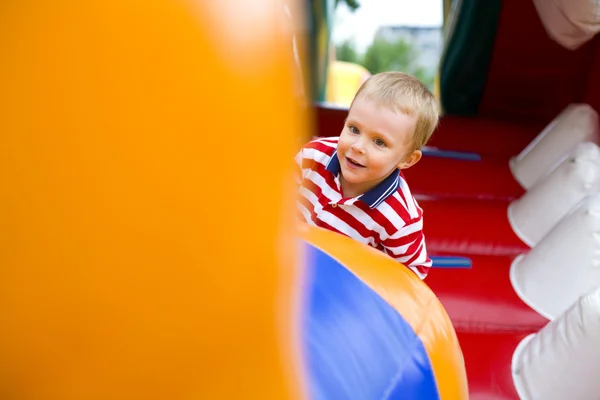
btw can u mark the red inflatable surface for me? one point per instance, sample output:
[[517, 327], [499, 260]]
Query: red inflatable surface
[[481, 299], [489, 178], [469, 226], [488, 359]]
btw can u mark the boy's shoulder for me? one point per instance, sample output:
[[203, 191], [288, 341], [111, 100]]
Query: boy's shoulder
[[320, 149], [401, 207], [324, 144]]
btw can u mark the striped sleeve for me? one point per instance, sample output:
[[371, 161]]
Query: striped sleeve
[[317, 151], [407, 246]]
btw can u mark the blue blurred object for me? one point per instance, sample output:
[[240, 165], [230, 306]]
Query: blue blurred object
[[451, 262], [356, 345], [456, 155]]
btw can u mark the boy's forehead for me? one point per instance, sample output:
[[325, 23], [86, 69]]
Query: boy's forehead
[[368, 107], [362, 105], [382, 118], [363, 101]]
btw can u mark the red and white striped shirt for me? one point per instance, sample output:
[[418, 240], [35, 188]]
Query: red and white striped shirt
[[386, 217]]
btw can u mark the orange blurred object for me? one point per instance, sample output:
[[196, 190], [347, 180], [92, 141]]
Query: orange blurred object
[[142, 145]]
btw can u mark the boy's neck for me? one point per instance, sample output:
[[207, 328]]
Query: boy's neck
[[350, 190]]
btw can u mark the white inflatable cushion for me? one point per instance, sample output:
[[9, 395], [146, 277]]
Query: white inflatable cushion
[[578, 123], [570, 23], [564, 265], [562, 361], [551, 198]]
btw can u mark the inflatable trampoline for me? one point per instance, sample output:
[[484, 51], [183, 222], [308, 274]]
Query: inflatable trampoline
[[510, 183]]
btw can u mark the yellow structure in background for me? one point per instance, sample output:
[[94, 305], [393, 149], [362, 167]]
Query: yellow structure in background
[[140, 255], [343, 81]]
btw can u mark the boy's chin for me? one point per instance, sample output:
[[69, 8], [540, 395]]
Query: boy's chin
[[353, 178]]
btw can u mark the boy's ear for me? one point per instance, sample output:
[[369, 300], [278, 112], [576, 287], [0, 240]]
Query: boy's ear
[[410, 160]]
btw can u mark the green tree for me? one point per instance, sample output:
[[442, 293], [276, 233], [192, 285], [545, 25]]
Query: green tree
[[346, 51], [351, 4], [383, 55]]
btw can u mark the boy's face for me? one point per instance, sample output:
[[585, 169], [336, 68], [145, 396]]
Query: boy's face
[[375, 141]]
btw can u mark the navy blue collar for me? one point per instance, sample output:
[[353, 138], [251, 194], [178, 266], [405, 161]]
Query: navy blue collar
[[379, 193]]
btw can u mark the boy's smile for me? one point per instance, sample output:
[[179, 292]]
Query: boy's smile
[[375, 141], [353, 163]]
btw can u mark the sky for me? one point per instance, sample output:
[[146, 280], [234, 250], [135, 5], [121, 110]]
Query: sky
[[363, 23]]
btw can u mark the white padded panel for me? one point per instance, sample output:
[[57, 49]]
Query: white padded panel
[[578, 123], [551, 198], [562, 360], [564, 265], [570, 23]]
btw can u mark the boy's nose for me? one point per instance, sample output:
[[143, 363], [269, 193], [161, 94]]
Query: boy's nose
[[358, 145]]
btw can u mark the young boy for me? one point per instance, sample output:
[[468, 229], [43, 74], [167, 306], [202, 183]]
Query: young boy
[[353, 185]]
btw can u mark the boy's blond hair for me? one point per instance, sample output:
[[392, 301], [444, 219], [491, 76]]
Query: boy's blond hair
[[404, 93]]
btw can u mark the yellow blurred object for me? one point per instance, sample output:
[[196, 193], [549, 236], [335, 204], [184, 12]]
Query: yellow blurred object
[[343, 81], [141, 256]]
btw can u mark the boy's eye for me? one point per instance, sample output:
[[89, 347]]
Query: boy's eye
[[379, 142], [353, 129]]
